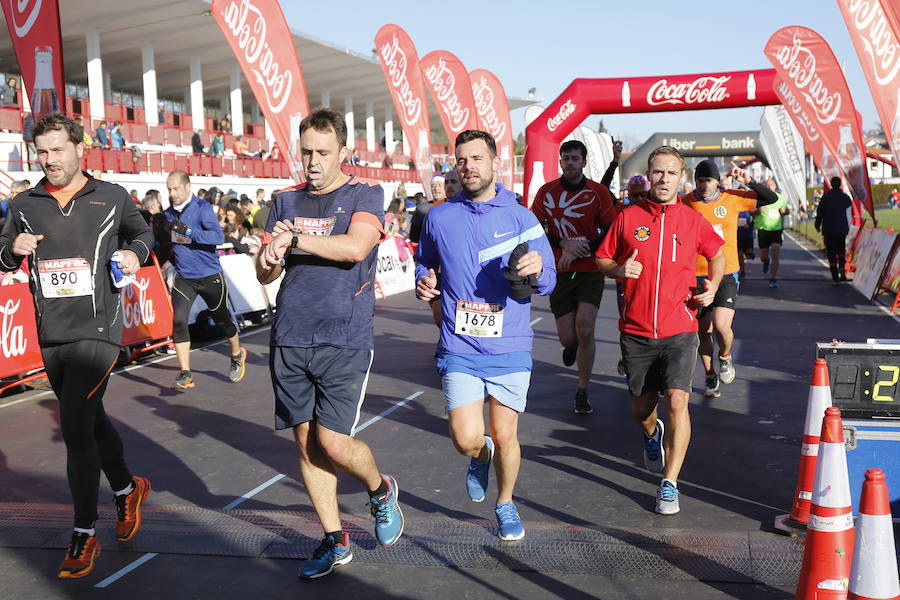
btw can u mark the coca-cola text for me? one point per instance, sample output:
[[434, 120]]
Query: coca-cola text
[[394, 58], [799, 65], [136, 313], [565, 111], [484, 104], [877, 37], [703, 90], [12, 337], [443, 84]]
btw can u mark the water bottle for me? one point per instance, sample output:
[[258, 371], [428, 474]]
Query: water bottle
[[119, 278]]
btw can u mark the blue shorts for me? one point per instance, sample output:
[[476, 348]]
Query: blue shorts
[[510, 389]]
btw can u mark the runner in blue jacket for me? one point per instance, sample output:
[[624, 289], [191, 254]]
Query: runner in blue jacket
[[492, 254]]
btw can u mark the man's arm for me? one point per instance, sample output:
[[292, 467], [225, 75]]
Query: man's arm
[[630, 269], [138, 235], [9, 260], [209, 232]]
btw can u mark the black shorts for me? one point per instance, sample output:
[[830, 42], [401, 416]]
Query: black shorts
[[327, 384], [572, 288], [745, 245], [767, 238], [658, 365], [726, 295]]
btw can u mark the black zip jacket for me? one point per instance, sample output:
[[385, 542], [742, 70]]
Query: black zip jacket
[[100, 219]]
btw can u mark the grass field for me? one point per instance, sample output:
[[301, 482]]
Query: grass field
[[886, 219]]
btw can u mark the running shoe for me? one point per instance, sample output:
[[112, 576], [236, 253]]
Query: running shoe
[[128, 509], [654, 454], [478, 474], [582, 404], [236, 372], [712, 386], [326, 558], [667, 499], [569, 354], [726, 369], [387, 513], [765, 266], [509, 524], [80, 555], [773, 283], [184, 381]]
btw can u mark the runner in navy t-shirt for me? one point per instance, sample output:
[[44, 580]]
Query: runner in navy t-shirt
[[323, 235]]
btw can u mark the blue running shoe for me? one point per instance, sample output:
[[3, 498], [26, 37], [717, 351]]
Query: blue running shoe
[[387, 513], [667, 499], [327, 556], [477, 476], [508, 522], [654, 453]]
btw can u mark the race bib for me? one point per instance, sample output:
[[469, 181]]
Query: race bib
[[718, 229], [742, 222], [180, 238], [65, 278], [478, 319], [312, 226], [773, 213]]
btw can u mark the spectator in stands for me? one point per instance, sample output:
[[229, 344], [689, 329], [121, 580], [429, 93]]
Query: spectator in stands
[[85, 136], [412, 203], [161, 112], [388, 163], [15, 188], [233, 214], [260, 198], [116, 138], [196, 143], [400, 192], [354, 157], [445, 166], [233, 235], [28, 138], [101, 135], [241, 148], [275, 152], [134, 196], [151, 203], [217, 146], [9, 93], [226, 123], [411, 164]]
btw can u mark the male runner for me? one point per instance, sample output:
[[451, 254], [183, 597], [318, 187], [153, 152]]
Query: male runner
[[721, 208], [493, 255], [68, 226], [576, 212], [768, 225], [195, 234], [326, 234], [653, 246], [831, 220]]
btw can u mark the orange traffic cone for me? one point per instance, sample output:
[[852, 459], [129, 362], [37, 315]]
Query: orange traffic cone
[[829, 534], [819, 399], [873, 575]]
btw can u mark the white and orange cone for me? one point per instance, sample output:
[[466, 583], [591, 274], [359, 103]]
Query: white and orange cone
[[829, 534], [819, 400], [873, 575]]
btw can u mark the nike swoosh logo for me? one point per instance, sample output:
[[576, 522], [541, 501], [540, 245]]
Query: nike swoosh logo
[[500, 235]]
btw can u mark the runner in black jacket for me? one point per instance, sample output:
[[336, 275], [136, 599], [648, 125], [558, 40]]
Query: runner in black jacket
[[68, 226]]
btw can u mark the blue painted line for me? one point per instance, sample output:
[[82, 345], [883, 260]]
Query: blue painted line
[[388, 411], [535, 321], [254, 491], [125, 570]]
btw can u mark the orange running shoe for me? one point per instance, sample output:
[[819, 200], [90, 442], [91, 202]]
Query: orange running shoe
[[79, 561], [128, 508]]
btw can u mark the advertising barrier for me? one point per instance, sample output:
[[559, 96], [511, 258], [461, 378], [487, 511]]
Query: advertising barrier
[[18, 334], [871, 256], [146, 310]]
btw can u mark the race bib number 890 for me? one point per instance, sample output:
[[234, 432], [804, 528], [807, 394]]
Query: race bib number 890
[[65, 278], [478, 319]]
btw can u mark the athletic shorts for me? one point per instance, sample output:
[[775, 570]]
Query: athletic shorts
[[325, 384], [767, 238], [726, 295], [745, 245], [510, 389], [572, 288], [656, 365]]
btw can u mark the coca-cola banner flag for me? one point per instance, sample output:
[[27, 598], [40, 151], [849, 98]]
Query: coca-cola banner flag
[[584, 97], [806, 64], [448, 82], [18, 332], [400, 63], [892, 12], [264, 47], [34, 30], [493, 116], [879, 53]]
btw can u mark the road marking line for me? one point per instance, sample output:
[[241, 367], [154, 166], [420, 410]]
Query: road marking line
[[535, 321], [126, 570], [388, 411], [254, 491]]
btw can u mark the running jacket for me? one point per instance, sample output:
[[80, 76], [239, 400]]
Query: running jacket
[[197, 259], [668, 239], [470, 242], [88, 228]]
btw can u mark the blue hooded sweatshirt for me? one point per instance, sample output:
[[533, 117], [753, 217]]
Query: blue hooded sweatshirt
[[470, 243], [197, 259]]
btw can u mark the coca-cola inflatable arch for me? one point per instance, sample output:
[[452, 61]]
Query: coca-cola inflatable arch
[[584, 97]]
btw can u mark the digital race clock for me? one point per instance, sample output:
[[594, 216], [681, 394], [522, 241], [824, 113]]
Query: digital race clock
[[864, 378]]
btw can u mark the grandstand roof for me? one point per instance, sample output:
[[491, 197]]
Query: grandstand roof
[[180, 29]]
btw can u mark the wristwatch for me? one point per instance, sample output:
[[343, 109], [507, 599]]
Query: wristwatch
[[295, 239]]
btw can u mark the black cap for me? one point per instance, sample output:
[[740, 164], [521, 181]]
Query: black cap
[[707, 168]]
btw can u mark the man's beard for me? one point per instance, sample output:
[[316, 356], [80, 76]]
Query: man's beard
[[474, 190]]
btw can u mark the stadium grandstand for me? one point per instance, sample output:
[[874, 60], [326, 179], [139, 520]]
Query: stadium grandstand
[[164, 71]]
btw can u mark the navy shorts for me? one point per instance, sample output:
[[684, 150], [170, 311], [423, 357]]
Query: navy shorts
[[656, 365], [325, 384]]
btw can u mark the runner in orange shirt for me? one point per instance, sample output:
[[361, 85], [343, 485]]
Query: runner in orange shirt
[[721, 207]]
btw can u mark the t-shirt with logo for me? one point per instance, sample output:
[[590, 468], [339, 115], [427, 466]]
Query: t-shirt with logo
[[769, 218], [323, 302], [722, 214], [574, 214]]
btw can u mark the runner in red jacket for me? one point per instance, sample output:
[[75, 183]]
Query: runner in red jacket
[[653, 246]]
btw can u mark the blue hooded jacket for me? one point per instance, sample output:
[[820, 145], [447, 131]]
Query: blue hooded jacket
[[197, 259], [470, 243]]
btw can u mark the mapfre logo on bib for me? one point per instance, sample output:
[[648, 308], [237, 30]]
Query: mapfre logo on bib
[[642, 233]]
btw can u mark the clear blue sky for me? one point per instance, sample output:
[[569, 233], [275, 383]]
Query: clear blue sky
[[548, 44]]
